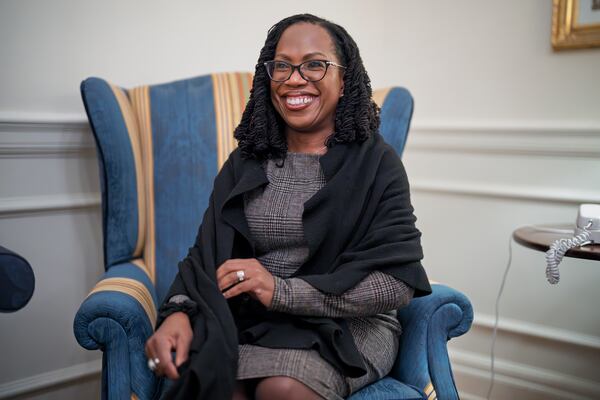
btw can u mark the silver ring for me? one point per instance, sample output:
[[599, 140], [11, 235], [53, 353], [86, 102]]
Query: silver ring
[[241, 276], [153, 363]]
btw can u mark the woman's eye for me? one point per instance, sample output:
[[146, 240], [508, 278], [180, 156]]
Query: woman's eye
[[281, 66], [315, 65]]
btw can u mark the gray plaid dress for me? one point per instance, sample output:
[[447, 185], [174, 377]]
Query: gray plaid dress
[[274, 215]]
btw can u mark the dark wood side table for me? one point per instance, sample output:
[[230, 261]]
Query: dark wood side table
[[541, 237]]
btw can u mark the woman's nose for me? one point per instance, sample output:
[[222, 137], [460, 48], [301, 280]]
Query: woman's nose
[[296, 78]]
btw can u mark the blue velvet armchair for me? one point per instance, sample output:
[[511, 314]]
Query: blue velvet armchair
[[17, 281], [159, 149]]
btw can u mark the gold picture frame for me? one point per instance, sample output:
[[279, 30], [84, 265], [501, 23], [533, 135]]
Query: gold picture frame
[[568, 30]]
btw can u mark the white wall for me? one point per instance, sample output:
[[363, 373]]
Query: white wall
[[505, 133]]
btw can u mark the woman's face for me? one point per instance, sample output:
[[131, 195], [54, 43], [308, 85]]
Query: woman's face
[[307, 107]]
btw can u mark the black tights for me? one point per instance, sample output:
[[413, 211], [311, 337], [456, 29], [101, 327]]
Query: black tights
[[273, 388]]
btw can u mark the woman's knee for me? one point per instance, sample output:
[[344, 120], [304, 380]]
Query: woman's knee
[[284, 388], [240, 392]]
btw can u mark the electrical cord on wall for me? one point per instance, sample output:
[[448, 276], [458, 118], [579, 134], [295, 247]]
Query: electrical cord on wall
[[495, 331]]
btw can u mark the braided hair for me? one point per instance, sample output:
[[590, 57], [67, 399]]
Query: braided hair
[[260, 133]]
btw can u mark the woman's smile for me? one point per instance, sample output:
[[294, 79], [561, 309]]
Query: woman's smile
[[300, 102]]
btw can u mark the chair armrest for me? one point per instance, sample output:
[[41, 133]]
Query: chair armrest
[[17, 281], [428, 323], [117, 317]]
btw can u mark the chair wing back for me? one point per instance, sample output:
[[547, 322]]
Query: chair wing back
[[159, 149], [396, 112]]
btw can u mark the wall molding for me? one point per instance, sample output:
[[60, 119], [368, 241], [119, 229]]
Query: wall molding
[[44, 137], [538, 331], [513, 192], [50, 379], [70, 133], [10, 206], [52, 118], [518, 379], [524, 138]]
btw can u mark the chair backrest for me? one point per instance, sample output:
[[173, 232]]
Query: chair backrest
[[159, 149]]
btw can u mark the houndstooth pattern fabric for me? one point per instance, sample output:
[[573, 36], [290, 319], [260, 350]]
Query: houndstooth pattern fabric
[[274, 215], [377, 293]]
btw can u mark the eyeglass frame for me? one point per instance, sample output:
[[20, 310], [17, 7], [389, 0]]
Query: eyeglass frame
[[297, 67]]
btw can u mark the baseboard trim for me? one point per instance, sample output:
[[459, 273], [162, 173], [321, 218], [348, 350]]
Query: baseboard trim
[[10, 206], [50, 379], [519, 378]]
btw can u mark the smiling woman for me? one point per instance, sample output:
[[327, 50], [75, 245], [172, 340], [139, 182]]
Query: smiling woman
[[309, 238]]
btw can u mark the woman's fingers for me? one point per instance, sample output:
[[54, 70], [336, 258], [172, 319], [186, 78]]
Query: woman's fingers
[[227, 273], [257, 288], [183, 348], [230, 279], [231, 265], [175, 334], [258, 281], [245, 286], [166, 365], [159, 347]]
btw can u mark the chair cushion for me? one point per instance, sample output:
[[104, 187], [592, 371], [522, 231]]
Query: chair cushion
[[16, 281], [388, 389]]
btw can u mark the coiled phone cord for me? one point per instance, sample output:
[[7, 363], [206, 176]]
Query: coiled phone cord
[[557, 251]]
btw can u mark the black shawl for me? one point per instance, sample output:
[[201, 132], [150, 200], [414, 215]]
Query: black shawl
[[360, 221]]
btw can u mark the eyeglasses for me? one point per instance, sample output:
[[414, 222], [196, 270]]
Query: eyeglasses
[[312, 70]]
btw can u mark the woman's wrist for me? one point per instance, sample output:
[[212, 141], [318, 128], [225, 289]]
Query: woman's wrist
[[178, 304], [280, 295]]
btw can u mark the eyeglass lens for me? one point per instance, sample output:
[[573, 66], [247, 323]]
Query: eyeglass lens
[[309, 70]]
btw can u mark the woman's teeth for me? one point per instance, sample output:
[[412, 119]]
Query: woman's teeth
[[296, 100]]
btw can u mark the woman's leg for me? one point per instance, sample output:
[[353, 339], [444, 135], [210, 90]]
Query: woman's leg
[[284, 388], [240, 392]]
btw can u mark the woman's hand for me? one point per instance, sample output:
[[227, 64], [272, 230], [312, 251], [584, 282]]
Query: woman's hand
[[258, 282], [175, 333]]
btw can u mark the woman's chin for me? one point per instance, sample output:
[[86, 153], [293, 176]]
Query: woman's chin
[[301, 127], [301, 123]]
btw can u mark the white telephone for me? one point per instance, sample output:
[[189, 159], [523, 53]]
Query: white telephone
[[587, 231]]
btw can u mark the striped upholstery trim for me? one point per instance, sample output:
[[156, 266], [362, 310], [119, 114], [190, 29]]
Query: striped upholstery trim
[[140, 99], [430, 392], [141, 265], [130, 287], [134, 397], [134, 137], [379, 96], [231, 92]]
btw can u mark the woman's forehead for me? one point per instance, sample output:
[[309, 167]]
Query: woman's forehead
[[305, 40]]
